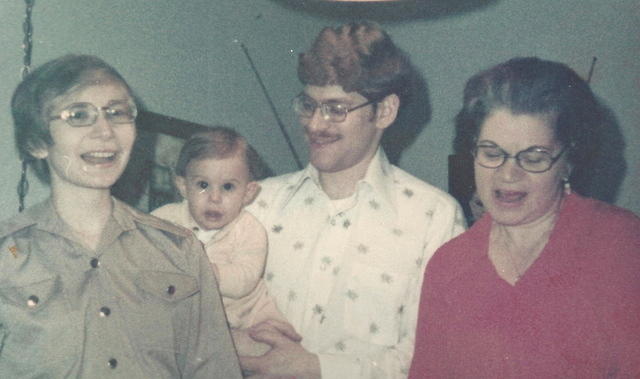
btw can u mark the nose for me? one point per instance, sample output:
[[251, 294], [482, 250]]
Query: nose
[[316, 122], [102, 128], [215, 195], [510, 171]]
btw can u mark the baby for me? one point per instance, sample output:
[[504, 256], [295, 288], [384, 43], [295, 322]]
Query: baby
[[216, 175]]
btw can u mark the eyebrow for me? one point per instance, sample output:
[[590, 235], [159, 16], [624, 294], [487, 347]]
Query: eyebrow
[[340, 100], [120, 101], [541, 147], [109, 103]]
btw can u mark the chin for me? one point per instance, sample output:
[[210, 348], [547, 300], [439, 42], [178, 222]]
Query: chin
[[208, 225], [328, 166]]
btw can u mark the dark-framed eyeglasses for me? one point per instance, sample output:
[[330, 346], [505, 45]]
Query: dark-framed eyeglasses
[[304, 106], [534, 159], [86, 114]]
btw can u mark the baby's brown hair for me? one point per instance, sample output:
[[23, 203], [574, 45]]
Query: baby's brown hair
[[220, 142]]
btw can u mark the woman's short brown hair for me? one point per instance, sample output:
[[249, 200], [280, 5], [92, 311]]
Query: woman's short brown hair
[[34, 96]]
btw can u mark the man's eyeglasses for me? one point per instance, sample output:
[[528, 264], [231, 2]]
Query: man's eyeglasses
[[533, 159], [305, 107], [86, 114]]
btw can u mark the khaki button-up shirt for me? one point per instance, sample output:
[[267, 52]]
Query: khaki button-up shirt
[[144, 304]]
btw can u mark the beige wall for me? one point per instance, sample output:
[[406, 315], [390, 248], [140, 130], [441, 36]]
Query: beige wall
[[183, 58]]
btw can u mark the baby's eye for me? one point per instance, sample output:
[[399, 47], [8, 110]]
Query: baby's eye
[[228, 186], [202, 184]]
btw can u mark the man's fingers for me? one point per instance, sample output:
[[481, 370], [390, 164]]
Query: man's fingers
[[250, 365], [287, 329], [283, 327], [270, 337]]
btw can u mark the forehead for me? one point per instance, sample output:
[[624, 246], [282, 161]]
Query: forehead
[[230, 167], [518, 130], [332, 92], [97, 90]]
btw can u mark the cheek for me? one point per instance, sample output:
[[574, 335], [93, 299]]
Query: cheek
[[482, 179], [195, 198], [127, 137], [235, 202], [63, 142], [547, 188]]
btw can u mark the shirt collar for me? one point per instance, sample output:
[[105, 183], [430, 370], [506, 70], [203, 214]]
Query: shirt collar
[[122, 216], [50, 221], [378, 179], [185, 217], [47, 218]]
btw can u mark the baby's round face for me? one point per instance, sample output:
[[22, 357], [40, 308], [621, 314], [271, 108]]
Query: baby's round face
[[217, 190]]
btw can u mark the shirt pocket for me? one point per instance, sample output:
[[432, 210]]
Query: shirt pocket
[[160, 318], [41, 331], [374, 304]]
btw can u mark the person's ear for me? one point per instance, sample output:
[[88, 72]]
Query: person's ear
[[181, 185], [38, 150], [253, 189], [387, 111]]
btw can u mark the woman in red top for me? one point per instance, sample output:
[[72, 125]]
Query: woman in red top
[[547, 283]]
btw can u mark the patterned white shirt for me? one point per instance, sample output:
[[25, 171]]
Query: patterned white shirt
[[347, 274]]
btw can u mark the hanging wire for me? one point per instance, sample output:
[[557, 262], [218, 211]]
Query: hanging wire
[[27, 47], [27, 42], [272, 106], [593, 65]]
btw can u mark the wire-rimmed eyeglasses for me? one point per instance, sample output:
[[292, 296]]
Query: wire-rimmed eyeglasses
[[533, 159], [86, 114], [304, 106]]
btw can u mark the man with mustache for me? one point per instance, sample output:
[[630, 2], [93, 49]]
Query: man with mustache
[[350, 235]]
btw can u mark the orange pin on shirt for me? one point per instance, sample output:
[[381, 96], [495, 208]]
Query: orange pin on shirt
[[14, 250]]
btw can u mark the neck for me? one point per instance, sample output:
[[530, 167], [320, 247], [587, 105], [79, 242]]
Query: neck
[[531, 232], [342, 184], [513, 249], [85, 212]]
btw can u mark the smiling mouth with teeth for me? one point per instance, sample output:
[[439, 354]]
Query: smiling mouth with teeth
[[99, 157]]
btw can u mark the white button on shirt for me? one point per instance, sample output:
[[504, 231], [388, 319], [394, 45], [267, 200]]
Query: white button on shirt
[[347, 274]]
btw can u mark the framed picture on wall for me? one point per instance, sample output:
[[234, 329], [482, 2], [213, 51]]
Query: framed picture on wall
[[147, 182]]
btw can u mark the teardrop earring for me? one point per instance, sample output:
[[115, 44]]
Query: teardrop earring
[[567, 185]]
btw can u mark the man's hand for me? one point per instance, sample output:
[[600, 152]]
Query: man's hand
[[286, 359], [278, 326]]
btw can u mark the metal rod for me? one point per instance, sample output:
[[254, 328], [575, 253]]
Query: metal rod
[[273, 108], [593, 65]]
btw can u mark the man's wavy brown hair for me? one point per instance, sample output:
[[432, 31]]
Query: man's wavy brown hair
[[359, 57]]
